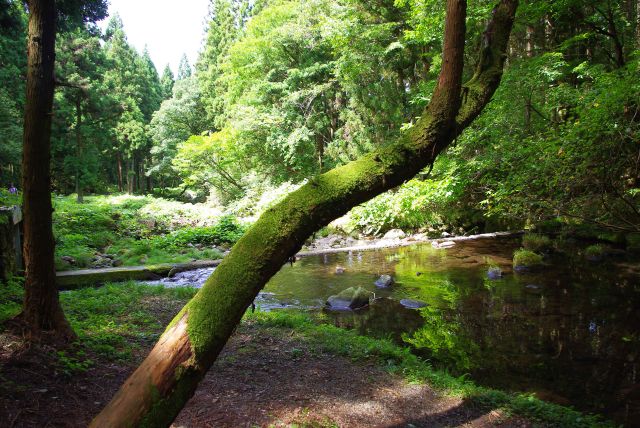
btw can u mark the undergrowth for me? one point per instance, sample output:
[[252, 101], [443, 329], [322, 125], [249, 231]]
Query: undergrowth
[[135, 230], [112, 321]]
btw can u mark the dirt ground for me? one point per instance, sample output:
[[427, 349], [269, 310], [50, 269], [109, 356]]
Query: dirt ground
[[263, 378]]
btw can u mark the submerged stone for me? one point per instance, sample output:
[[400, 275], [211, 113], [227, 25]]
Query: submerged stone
[[412, 304], [445, 244], [384, 281], [494, 273], [349, 299]]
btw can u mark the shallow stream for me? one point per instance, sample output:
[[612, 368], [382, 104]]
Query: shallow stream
[[570, 332]]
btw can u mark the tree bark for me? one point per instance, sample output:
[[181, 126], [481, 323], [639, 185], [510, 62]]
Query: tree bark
[[119, 161], [529, 41], [154, 394], [79, 150], [42, 310], [637, 24]]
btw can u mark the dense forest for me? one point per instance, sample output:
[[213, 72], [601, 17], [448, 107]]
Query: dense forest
[[322, 125], [283, 91]]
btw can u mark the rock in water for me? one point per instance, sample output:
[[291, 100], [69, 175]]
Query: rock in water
[[445, 244], [394, 234], [494, 273], [384, 281], [412, 304], [339, 270], [351, 298]]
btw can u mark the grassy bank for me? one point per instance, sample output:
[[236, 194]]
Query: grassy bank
[[136, 230]]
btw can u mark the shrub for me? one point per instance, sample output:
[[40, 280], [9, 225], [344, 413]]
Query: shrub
[[226, 231], [535, 242], [595, 252], [524, 259]]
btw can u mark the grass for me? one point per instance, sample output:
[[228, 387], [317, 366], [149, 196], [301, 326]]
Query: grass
[[111, 321], [139, 230]]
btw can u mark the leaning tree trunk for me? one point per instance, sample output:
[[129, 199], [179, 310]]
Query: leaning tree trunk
[[42, 309], [154, 394]]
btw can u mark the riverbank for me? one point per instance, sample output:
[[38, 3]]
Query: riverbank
[[279, 369]]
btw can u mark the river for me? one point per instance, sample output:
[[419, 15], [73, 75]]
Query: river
[[568, 333]]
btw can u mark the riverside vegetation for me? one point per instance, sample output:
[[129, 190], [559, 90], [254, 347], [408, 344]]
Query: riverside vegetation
[[152, 167]]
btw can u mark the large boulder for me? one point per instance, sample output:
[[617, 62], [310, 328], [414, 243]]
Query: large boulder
[[394, 234], [349, 299], [385, 281]]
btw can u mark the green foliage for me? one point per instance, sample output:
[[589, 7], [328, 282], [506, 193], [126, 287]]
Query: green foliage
[[8, 200], [139, 230], [595, 251], [536, 243], [74, 362], [226, 231], [11, 295], [416, 204], [179, 117], [526, 258], [443, 341], [109, 319]]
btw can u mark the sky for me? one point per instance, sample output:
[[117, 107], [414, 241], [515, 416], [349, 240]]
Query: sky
[[168, 28]]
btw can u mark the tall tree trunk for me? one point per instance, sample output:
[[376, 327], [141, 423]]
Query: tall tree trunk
[[148, 176], [529, 41], [130, 175], [154, 394], [637, 24], [42, 309], [79, 150], [120, 181], [136, 167]]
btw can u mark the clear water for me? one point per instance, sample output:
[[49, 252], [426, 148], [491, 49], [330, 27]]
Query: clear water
[[570, 333]]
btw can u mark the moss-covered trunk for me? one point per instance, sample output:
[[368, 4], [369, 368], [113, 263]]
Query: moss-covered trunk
[[160, 387]]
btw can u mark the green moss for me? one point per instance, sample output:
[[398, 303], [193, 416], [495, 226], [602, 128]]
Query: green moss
[[166, 409], [595, 252], [526, 259]]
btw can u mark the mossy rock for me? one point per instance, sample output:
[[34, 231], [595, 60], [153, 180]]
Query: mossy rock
[[525, 260], [595, 253], [351, 298]]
